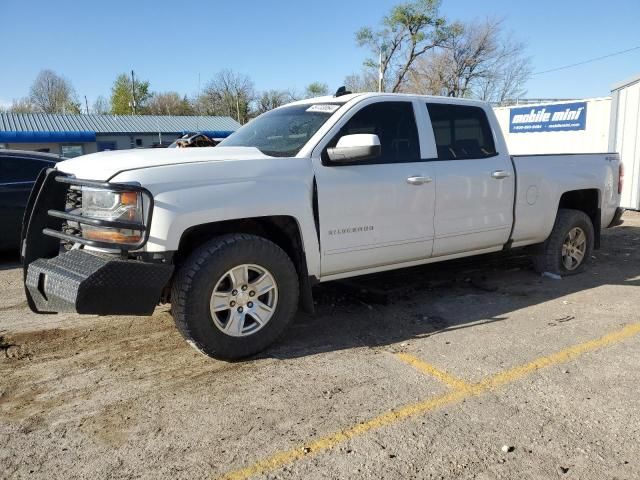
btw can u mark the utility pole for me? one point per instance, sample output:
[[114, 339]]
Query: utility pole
[[199, 99], [133, 93], [86, 104], [380, 73]]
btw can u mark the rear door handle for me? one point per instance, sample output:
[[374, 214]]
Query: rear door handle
[[419, 180], [500, 174]]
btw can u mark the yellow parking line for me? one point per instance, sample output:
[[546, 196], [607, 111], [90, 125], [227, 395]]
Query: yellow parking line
[[562, 356], [325, 443], [504, 378], [432, 371]]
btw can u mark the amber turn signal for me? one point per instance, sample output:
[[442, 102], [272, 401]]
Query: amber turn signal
[[111, 236], [129, 198]]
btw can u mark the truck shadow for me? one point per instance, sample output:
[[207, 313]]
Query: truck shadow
[[393, 307]]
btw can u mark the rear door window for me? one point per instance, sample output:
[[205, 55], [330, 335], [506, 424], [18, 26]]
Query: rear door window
[[462, 132]]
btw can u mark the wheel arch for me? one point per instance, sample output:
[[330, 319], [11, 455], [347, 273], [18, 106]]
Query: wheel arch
[[283, 230], [588, 201]]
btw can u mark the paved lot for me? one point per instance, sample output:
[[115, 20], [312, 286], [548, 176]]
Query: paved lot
[[426, 373]]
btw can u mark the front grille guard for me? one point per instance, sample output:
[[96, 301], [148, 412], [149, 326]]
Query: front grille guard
[[47, 217], [43, 225]]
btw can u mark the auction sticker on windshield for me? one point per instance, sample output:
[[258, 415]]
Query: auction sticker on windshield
[[325, 108]]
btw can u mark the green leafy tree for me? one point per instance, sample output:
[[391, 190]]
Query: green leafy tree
[[316, 89], [122, 102], [410, 30]]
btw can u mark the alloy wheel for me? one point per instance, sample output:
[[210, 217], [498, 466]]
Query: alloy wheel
[[574, 248], [243, 300]]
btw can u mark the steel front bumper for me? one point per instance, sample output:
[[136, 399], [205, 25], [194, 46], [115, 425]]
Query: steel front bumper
[[79, 280], [84, 282]]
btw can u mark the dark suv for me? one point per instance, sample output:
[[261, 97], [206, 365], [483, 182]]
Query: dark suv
[[18, 171]]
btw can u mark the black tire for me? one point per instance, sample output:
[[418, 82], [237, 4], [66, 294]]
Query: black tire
[[197, 277], [551, 258]]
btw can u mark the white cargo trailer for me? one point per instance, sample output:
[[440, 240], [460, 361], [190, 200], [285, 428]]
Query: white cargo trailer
[[593, 125], [571, 126], [624, 137]]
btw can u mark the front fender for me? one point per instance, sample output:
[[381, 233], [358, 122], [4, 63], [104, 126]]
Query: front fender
[[189, 195]]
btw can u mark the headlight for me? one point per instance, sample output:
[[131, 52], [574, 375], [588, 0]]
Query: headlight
[[112, 206]]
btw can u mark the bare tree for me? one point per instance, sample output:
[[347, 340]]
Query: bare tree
[[478, 61], [271, 99], [509, 77], [101, 106], [229, 94], [409, 31], [169, 103], [22, 105], [429, 76], [52, 93], [367, 81]]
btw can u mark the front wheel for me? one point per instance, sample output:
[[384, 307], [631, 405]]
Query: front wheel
[[568, 249], [234, 296]]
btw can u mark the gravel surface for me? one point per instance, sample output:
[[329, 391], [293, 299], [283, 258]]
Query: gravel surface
[[126, 397]]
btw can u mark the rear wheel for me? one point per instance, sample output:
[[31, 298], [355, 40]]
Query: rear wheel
[[234, 296], [568, 249]]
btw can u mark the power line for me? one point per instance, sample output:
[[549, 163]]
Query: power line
[[588, 61]]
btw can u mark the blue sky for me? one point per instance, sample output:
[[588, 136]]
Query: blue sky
[[287, 43]]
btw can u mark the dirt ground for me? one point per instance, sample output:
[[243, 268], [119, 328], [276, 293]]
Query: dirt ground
[[470, 369]]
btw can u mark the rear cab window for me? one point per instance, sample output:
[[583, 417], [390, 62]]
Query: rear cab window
[[461, 132]]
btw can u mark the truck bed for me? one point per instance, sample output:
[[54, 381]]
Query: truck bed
[[542, 180]]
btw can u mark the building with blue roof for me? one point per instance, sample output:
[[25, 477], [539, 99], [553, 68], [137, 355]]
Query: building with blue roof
[[74, 135]]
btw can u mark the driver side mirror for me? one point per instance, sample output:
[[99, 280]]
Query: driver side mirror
[[353, 148]]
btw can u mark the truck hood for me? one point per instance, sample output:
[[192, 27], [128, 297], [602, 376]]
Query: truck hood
[[104, 165]]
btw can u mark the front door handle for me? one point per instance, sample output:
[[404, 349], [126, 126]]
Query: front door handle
[[500, 174], [419, 180]]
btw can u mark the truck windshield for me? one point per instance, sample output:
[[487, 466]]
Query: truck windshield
[[284, 131]]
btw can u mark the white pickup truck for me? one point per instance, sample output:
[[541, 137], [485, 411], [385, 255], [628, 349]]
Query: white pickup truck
[[235, 236]]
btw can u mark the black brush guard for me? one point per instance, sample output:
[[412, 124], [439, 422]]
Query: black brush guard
[[78, 280]]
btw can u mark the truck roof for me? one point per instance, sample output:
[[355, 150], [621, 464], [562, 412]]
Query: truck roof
[[346, 98]]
